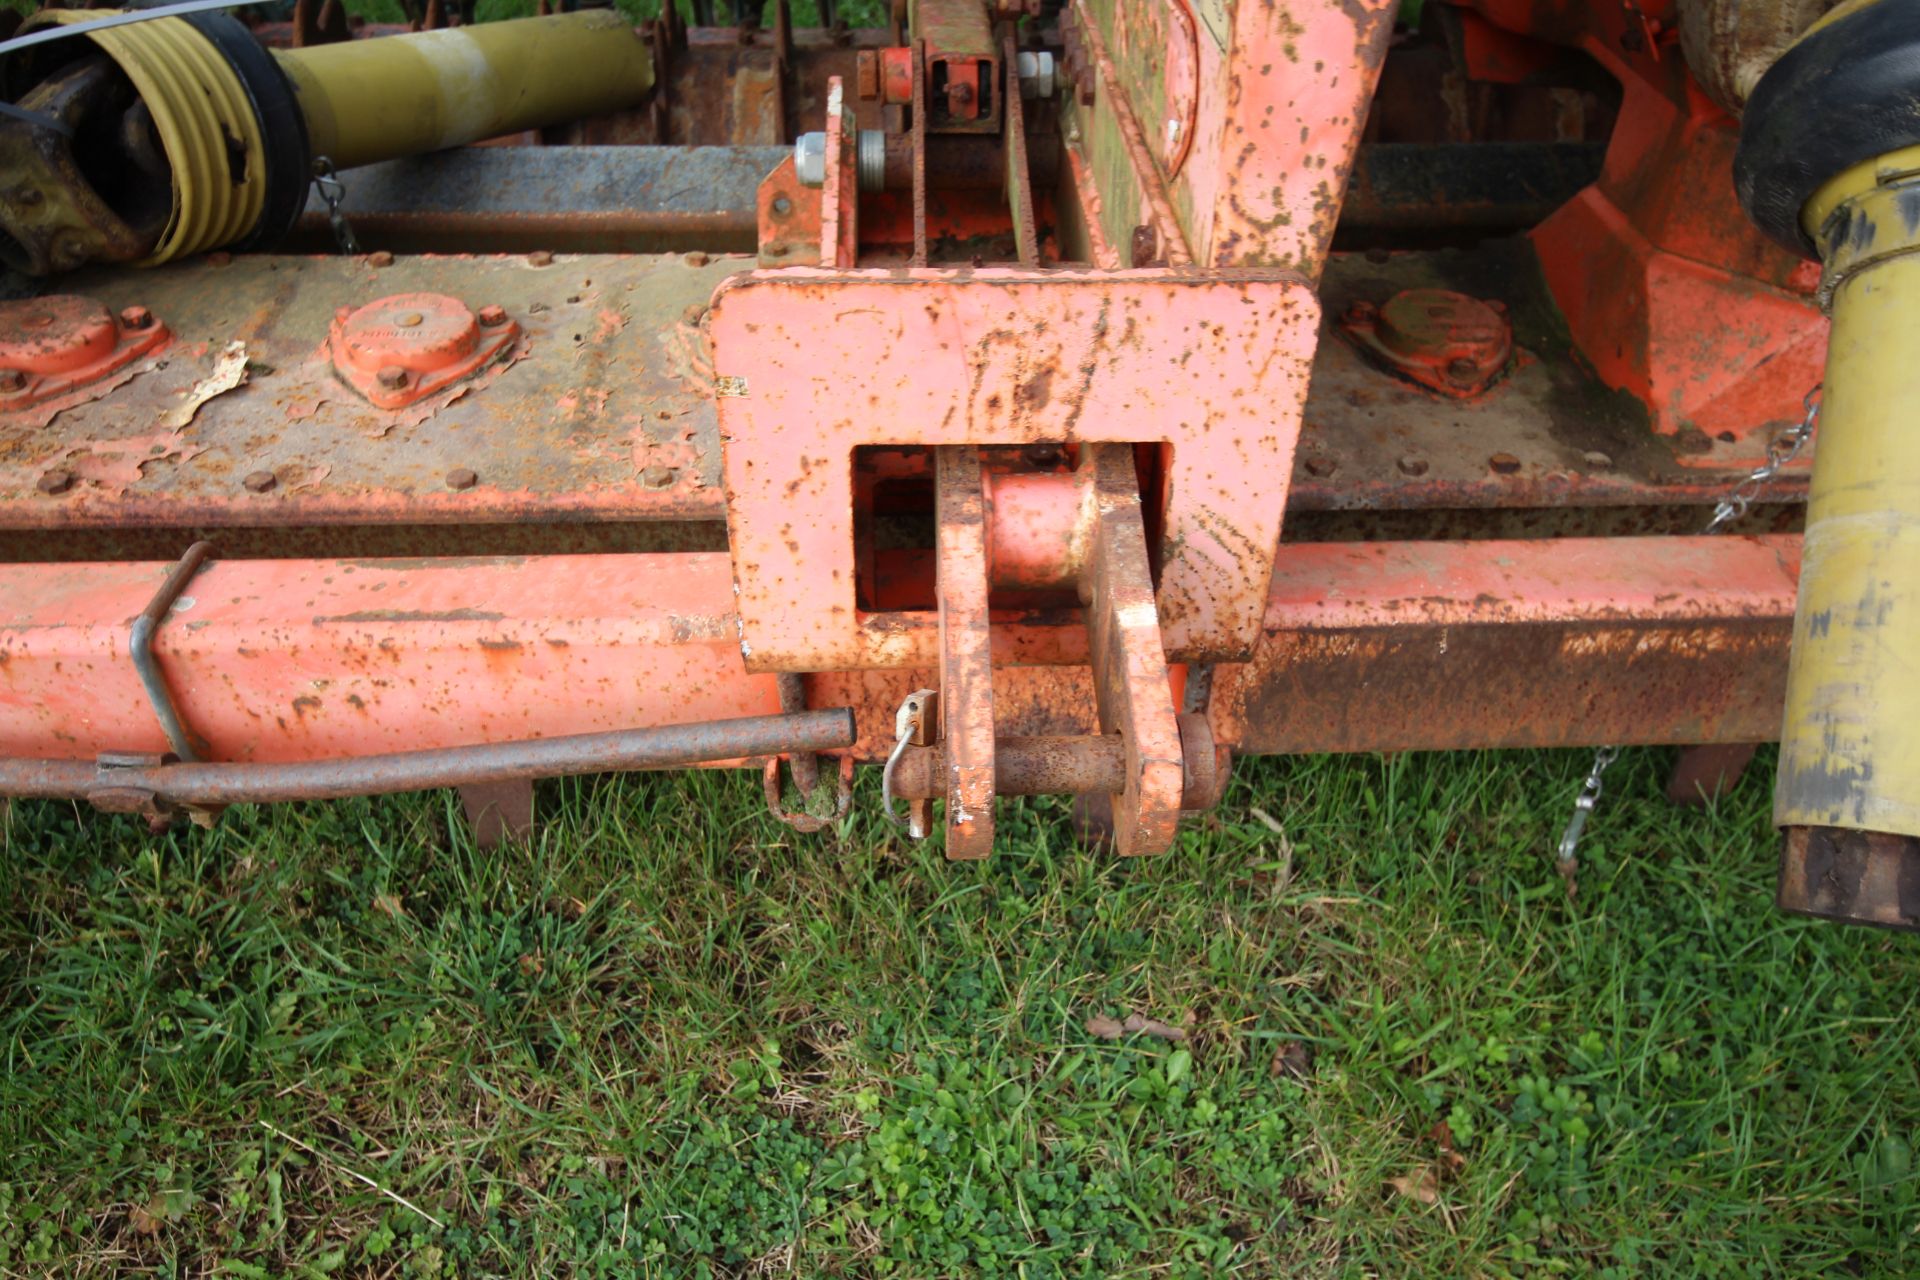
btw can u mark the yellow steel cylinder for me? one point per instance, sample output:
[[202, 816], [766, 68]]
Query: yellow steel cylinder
[[369, 100], [1850, 749]]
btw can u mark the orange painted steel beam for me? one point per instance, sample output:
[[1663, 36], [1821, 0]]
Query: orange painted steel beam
[[1365, 646]]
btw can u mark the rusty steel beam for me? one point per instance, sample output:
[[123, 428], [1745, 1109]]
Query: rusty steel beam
[[209, 785], [587, 199], [1558, 642], [1366, 646]]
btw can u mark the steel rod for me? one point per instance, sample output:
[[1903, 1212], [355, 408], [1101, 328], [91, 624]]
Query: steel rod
[[216, 784]]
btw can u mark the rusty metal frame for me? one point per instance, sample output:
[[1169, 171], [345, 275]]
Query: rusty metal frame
[[1002, 357], [1560, 642]]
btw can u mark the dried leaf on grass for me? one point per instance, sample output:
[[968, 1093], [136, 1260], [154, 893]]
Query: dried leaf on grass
[[1421, 1184], [1105, 1028], [1293, 1059]]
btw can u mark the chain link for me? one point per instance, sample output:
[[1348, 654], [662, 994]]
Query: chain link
[[1781, 450], [332, 190]]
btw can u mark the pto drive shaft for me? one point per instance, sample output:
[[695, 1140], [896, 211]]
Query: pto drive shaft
[[151, 141]]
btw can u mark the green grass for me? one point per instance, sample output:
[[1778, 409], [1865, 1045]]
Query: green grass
[[672, 1038]]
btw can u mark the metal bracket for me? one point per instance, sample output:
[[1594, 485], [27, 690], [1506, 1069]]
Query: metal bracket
[[186, 745], [1129, 663], [966, 649]]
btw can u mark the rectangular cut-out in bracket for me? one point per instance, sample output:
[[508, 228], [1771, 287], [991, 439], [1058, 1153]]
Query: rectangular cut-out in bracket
[[1215, 364]]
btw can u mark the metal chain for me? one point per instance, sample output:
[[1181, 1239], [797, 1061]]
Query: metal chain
[[1781, 450], [332, 190]]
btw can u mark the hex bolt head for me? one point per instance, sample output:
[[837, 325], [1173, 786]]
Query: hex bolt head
[[1412, 465], [1597, 460], [493, 317], [1504, 464], [380, 258], [1320, 465], [56, 481], [658, 477], [392, 377], [1462, 371], [12, 380], [697, 259], [540, 258], [136, 317], [460, 478], [259, 481]]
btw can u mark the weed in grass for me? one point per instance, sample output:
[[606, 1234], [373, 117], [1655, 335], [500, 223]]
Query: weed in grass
[[671, 1038]]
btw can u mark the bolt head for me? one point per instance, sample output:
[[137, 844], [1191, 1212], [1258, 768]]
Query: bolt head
[[697, 259], [460, 478], [1504, 464], [411, 320], [1412, 465], [380, 258], [392, 377], [12, 380], [810, 158], [657, 477], [1320, 465], [55, 481], [540, 258], [1597, 460], [493, 317], [1462, 370], [259, 481], [136, 317]]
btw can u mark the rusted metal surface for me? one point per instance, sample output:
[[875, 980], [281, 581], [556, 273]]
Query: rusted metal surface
[[966, 652], [1701, 775], [1850, 876], [60, 350], [1670, 293], [1129, 666], [408, 347], [209, 785], [1414, 646], [840, 194], [1260, 133], [1144, 182], [607, 415], [1588, 461], [305, 660], [789, 215], [918, 89], [1024, 767], [1367, 647], [561, 199], [1443, 340], [1040, 527], [1002, 357], [964, 72], [1411, 193], [53, 218], [1019, 178]]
